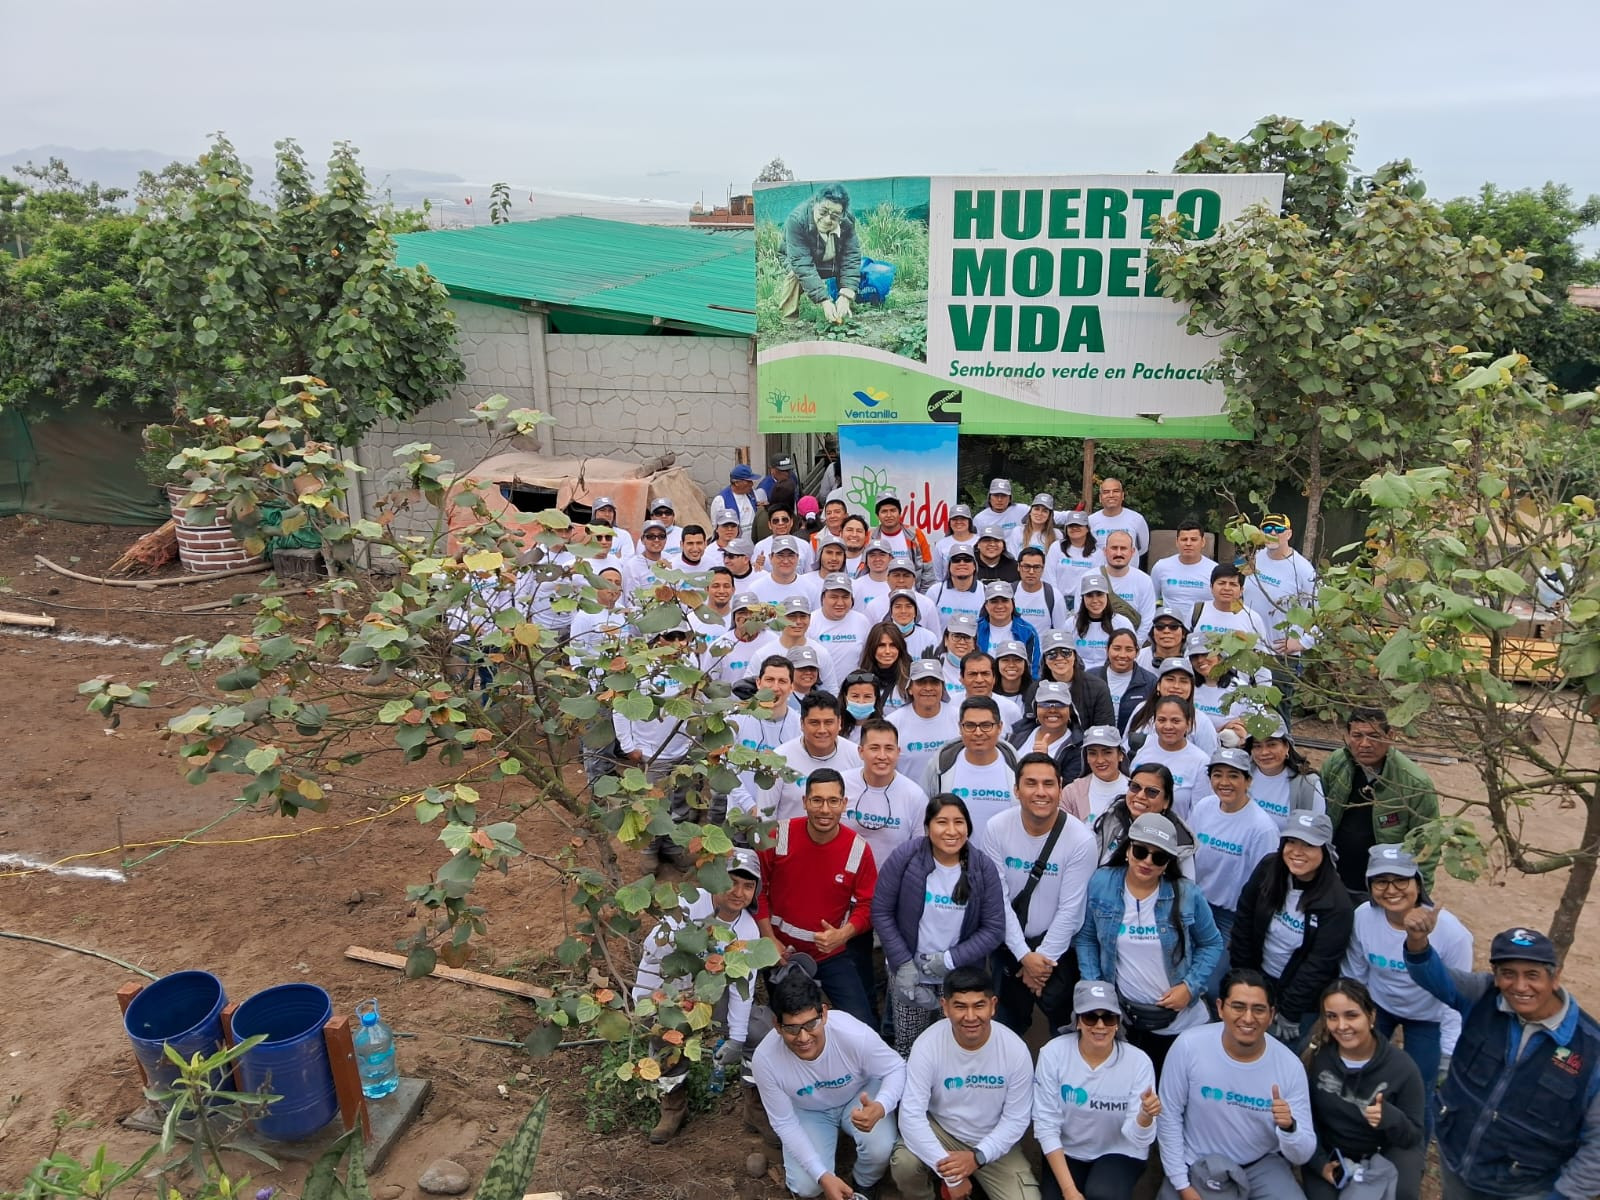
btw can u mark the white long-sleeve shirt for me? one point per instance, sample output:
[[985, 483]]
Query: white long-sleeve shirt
[[1136, 588], [1377, 958], [1214, 1104], [1089, 1111], [886, 816], [1056, 908], [660, 942], [921, 738], [842, 639], [1278, 586], [854, 1059], [1228, 846], [1102, 524], [791, 793], [1180, 585], [982, 1097]]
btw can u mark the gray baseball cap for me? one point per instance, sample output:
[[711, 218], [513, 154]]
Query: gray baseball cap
[[1100, 735], [1095, 995], [838, 582], [828, 539], [740, 545], [1000, 486], [991, 529], [878, 546], [797, 604], [962, 510], [1312, 828], [1056, 639], [745, 600], [998, 589], [1093, 581], [962, 623], [602, 502], [784, 543], [1153, 829], [783, 462], [901, 564], [960, 550], [660, 503], [1169, 665], [1391, 859], [1226, 757], [1010, 649], [902, 594], [744, 861], [1050, 694], [652, 523], [1076, 517], [1196, 645], [728, 516], [1044, 500], [886, 498], [927, 668], [804, 656]]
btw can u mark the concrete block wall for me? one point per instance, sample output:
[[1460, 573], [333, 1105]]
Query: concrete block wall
[[611, 395], [638, 397]]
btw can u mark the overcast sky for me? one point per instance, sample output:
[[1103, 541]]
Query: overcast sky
[[672, 100]]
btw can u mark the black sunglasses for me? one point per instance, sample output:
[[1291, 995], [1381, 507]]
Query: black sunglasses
[[1099, 1018], [1142, 852]]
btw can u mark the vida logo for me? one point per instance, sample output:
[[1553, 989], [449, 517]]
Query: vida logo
[[785, 404]]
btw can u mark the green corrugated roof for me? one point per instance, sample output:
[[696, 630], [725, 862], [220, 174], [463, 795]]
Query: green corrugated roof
[[685, 277]]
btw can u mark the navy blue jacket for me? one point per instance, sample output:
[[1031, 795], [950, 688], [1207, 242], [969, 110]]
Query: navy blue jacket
[[1513, 1125], [900, 893], [1139, 689]]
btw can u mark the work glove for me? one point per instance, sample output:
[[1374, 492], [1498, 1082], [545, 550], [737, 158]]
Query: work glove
[[932, 966], [830, 310], [729, 1054], [903, 986], [924, 997], [841, 308], [1285, 1029]]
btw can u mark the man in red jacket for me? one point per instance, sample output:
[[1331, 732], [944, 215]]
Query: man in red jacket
[[816, 895]]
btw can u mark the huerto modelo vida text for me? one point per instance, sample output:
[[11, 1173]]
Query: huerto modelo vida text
[[1031, 272]]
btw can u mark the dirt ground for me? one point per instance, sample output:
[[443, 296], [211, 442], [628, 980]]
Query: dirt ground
[[259, 900]]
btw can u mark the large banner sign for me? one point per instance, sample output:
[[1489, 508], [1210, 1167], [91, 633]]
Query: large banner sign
[[1003, 304], [915, 462]]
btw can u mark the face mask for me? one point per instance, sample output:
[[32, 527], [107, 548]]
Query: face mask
[[907, 627], [859, 709]]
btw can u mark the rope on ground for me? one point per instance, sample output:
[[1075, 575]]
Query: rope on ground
[[28, 937]]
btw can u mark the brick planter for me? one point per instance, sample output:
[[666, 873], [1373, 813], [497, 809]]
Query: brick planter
[[206, 548]]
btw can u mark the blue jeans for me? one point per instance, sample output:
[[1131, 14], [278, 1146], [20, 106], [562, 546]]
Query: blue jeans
[[823, 1127], [1224, 918], [1424, 1048], [840, 977]]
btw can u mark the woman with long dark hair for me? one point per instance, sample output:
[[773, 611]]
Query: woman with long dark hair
[[1148, 931], [1282, 781], [1171, 721], [1367, 1098], [937, 906], [886, 657], [1148, 789], [859, 701], [1058, 661], [1013, 670], [1293, 922], [1096, 621], [1077, 552], [1174, 677], [1128, 682]]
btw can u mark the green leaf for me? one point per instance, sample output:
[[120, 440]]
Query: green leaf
[[582, 708], [393, 711], [635, 897], [421, 961], [1506, 580], [613, 1025], [543, 1040], [634, 707]]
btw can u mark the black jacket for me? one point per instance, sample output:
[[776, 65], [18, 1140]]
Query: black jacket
[[1091, 701], [1330, 918], [1139, 689], [1340, 1096]]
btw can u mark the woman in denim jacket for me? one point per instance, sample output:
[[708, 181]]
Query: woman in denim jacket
[[1148, 931]]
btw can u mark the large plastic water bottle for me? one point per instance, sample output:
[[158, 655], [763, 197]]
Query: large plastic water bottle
[[380, 1072]]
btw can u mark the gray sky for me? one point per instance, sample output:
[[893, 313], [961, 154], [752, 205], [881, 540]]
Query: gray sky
[[676, 99]]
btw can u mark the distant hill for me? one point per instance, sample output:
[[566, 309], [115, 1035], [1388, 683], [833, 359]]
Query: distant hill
[[406, 187]]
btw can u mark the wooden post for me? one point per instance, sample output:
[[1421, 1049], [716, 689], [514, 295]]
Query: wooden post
[[228, 1040], [125, 995], [346, 1075], [1088, 474]]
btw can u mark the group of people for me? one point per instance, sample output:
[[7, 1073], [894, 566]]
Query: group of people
[[1004, 745]]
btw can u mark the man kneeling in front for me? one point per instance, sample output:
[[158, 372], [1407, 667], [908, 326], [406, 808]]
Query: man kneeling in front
[[968, 1100], [825, 1072]]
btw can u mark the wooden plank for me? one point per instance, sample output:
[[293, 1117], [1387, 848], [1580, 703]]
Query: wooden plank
[[346, 1074], [494, 983], [16, 618]]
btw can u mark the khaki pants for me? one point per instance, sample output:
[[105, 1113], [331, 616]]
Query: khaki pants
[[1006, 1178], [789, 298]]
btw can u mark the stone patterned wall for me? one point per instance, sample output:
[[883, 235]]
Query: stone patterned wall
[[610, 394], [644, 396]]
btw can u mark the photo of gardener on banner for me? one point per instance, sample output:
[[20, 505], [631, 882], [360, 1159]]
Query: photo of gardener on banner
[[822, 254]]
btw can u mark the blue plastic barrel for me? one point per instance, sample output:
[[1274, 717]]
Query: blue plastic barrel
[[292, 1062], [183, 1009]]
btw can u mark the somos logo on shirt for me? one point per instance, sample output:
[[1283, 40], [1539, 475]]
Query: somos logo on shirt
[[940, 901], [923, 747], [984, 794], [1026, 864], [1138, 931], [1236, 1099], [869, 820], [1385, 963], [974, 1081], [826, 1084], [1216, 843]]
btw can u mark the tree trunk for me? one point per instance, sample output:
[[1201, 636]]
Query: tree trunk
[[1314, 489], [1564, 925]]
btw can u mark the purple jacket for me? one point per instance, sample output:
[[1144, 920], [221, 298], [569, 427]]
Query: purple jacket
[[898, 898]]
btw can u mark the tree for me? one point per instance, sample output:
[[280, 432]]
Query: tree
[[1420, 622], [72, 320], [249, 293], [1313, 159], [1334, 337], [1562, 339], [43, 197], [463, 684], [775, 171]]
